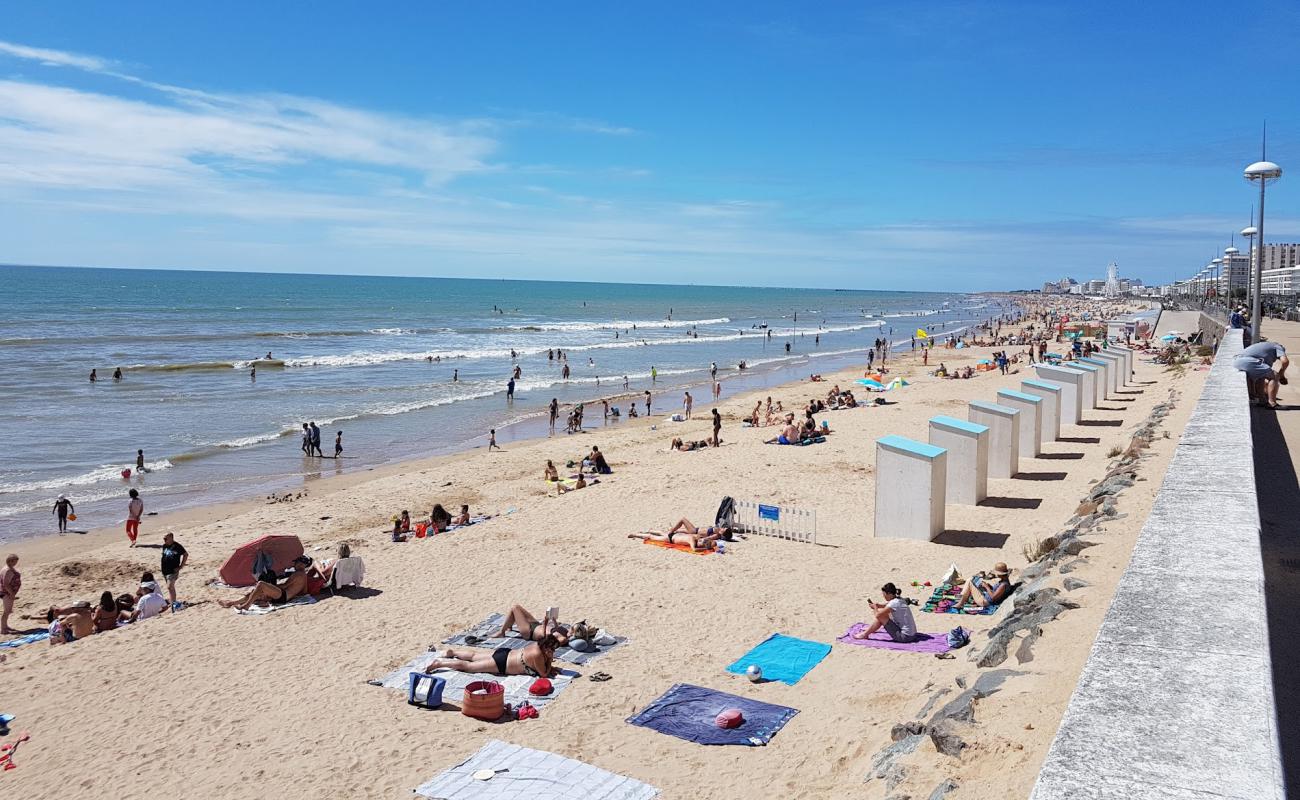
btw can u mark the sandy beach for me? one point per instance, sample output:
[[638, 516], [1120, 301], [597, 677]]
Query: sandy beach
[[208, 703]]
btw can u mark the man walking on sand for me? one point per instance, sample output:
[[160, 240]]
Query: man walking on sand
[[647, 402], [717, 428], [686, 403], [134, 510], [174, 558], [555, 412]]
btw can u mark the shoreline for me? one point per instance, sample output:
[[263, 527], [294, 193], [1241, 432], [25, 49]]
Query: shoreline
[[530, 426]]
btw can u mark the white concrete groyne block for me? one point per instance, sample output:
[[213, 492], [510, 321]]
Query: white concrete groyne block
[[1004, 436], [1128, 359], [1118, 368], [1105, 375], [1051, 406], [1071, 383], [911, 483], [967, 444], [1094, 386], [1031, 419]]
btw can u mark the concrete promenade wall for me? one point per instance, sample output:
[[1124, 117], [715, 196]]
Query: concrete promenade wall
[[1176, 699]]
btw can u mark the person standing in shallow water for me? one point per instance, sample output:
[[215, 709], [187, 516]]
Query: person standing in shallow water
[[63, 508], [306, 439], [92, 376]]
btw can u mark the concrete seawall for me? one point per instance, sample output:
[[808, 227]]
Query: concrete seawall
[[1176, 699]]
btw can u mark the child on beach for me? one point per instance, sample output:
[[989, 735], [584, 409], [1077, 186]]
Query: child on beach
[[492, 440], [338, 444], [10, 582]]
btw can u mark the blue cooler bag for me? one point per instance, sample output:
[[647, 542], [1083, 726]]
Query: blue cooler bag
[[426, 690]]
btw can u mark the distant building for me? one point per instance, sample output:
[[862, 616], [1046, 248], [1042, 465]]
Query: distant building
[[1283, 280], [1280, 256]]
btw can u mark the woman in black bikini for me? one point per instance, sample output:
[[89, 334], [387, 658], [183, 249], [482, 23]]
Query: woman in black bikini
[[532, 628], [534, 658], [686, 533]]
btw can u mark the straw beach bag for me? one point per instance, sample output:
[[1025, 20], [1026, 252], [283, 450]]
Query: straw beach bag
[[485, 700]]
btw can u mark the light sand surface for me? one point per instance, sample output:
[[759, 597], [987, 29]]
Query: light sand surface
[[205, 703]]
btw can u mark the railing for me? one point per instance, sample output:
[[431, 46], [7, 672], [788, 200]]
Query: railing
[[783, 522], [1176, 699]]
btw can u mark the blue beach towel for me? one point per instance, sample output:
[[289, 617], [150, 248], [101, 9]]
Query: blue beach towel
[[28, 639], [782, 658], [688, 712]]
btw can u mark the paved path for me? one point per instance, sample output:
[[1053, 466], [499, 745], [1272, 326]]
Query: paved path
[[1276, 437], [1185, 322]]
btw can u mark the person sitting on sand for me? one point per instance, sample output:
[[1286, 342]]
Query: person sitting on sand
[[535, 659], [533, 629], [580, 483], [684, 532], [149, 601], [105, 616], [71, 623], [987, 590], [399, 535], [440, 518], [893, 615], [405, 520], [598, 463], [269, 592], [551, 474], [463, 517]]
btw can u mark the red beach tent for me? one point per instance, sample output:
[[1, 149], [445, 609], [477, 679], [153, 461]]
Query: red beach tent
[[238, 569]]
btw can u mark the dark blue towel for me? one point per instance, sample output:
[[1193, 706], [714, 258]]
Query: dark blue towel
[[688, 712]]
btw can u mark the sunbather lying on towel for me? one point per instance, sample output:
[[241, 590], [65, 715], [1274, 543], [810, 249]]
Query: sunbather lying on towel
[[987, 590], [686, 533], [534, 629], [535, 658], [893, 615], [678, 444], [269, 592]]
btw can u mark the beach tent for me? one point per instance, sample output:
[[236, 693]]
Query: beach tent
[[897, 383], [238, 569], [870, 384]]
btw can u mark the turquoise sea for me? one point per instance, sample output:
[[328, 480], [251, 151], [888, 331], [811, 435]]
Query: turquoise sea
[[373, 357]]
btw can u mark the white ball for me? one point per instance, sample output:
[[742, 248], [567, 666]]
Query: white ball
[[754, 672]]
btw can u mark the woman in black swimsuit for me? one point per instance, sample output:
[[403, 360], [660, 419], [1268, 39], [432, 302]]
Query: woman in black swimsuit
[[535, 659], [686, 533], [530, 627]]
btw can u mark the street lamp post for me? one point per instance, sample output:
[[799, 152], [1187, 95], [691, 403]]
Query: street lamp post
[[1263, 173], [1249, 233]]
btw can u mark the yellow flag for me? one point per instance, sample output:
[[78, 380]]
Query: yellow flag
[[921, 334]]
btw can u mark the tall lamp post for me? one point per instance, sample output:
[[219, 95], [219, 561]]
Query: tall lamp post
[[1263, 173], [1249, 233]]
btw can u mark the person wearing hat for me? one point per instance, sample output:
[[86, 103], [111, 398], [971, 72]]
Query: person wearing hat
[[149, 602], [63, 509], [987, 590]]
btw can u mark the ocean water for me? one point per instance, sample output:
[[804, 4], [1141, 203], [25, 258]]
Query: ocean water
[[353, 354]]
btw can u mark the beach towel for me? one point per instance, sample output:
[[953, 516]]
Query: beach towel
[[688, 712], [527, 774], [801, 443], [782, 658], [516, 686], [253, 611], [945, 598], [39, 636], [485, 634], [925, 643], [474, 520], [678, 546]]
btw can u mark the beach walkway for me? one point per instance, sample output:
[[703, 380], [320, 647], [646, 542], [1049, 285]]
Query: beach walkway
[[1277, 464], [1184, 322]]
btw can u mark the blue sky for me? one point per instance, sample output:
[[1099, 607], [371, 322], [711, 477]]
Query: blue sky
[[892, 145]]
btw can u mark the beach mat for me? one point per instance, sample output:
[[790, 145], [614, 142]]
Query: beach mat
[[688, 712], [516, 686], [39, 636], [261, 611], [782, 658], [486, 632], [681, 548], [952, 594], [527, 774], [932, 643], [800, 443]]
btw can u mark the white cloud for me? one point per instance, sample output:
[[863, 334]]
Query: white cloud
[[55, 58]]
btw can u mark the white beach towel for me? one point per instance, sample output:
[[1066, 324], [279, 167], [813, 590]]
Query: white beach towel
[[528, 774], [254, 611], [516, 686], [348, 572]]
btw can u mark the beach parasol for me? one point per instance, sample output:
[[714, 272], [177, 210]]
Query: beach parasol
[[869, 383]]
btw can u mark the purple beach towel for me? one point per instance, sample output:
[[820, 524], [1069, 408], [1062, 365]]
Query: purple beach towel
[[927, 643]]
